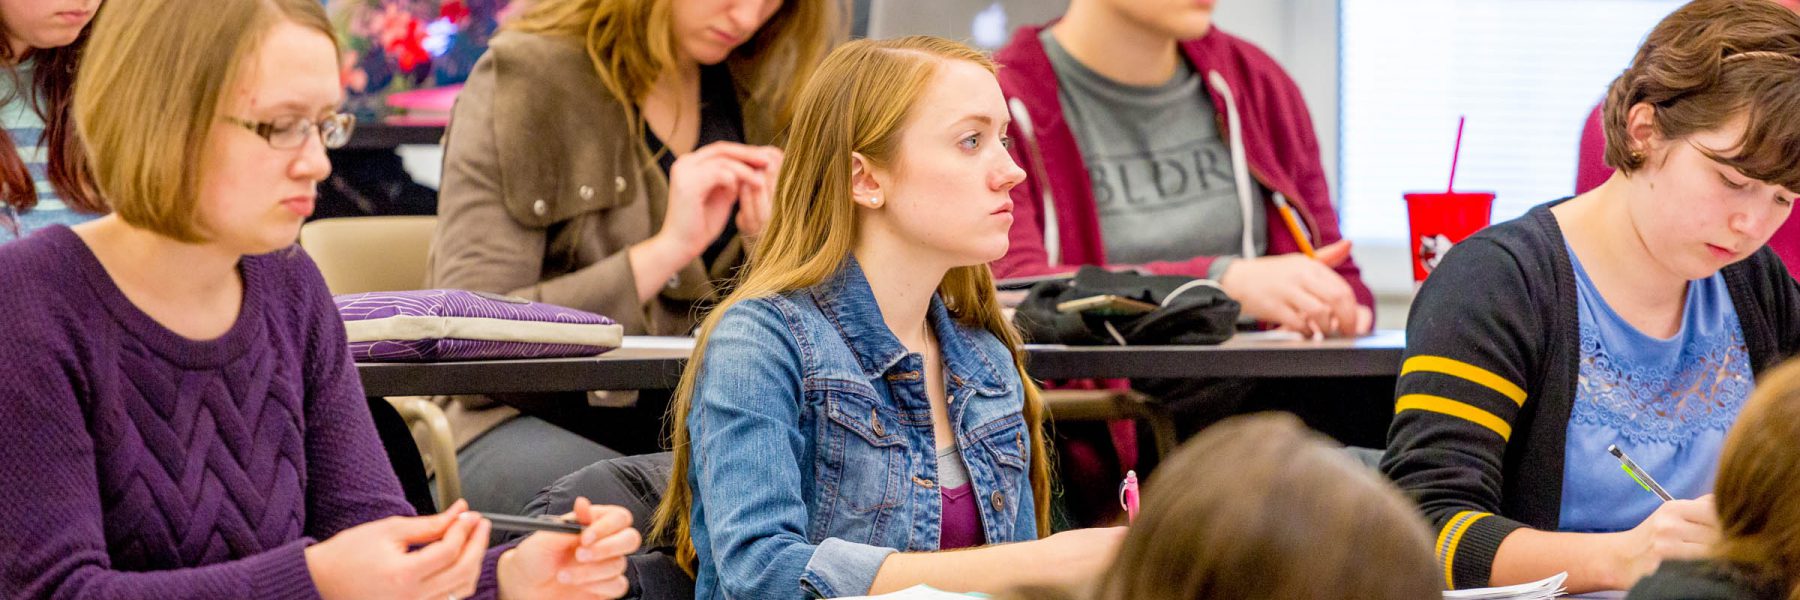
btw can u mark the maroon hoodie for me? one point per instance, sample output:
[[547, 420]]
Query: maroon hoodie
[[1259, 109]]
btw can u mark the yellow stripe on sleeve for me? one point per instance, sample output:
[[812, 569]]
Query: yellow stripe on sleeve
[[1466, 371], [1439, 404], [1444, 537], [1456, 538]]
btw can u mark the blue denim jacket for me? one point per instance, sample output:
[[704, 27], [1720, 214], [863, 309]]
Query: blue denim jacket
[[812, 445]]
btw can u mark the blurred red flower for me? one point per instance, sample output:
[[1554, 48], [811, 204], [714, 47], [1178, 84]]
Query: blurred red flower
[[454, 10], [403, 37]]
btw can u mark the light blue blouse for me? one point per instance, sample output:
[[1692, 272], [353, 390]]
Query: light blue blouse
[[1666, 402]]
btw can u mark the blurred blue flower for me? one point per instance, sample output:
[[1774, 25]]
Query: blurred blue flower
[[437, 36]]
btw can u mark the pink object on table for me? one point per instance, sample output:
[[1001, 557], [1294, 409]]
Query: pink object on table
[[437, 99], [426, 107], [1128, 496]]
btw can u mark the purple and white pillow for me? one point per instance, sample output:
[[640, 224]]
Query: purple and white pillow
[[449, 325]]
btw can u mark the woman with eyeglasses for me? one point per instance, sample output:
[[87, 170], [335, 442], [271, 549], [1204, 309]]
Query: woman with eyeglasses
[[182, 419], [44, 176]]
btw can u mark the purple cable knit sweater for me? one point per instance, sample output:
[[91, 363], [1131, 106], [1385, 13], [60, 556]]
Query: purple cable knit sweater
[[135, 463]]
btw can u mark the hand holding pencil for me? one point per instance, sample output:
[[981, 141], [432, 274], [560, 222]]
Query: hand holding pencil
[[1298, 292], [1678, 530]]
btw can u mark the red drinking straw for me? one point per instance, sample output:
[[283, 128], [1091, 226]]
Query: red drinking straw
[[1457, 153]]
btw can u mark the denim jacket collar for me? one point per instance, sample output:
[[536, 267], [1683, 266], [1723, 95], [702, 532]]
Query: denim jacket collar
[[849, 303]]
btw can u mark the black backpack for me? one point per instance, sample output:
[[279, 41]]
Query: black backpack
[[1189, 311]]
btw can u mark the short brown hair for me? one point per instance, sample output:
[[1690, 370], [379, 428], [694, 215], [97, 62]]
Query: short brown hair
[[1758, 491], [1260, 507], [1706, 64], [149, 91]]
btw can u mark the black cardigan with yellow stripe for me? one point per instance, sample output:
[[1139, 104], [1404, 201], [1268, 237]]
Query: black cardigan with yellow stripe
[[1484, 395]]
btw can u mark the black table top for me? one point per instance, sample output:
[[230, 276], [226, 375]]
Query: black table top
[[656, 363], [374, 136]]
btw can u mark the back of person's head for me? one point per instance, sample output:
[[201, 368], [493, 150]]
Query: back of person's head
[[1758, 491], [152, 87], [1703, 68], [1260, 507], [633, 42], [859, 103]]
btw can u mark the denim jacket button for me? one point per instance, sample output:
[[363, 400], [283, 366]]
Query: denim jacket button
[[999, 501], [875, 421]]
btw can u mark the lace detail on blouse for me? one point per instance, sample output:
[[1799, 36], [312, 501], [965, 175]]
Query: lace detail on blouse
[[1664, 403]]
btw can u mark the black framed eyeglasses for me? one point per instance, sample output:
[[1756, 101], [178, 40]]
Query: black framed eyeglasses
[[287, 133]]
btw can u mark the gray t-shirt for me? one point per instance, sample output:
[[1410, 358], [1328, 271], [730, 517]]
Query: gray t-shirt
[[951, 471], [1161, 170]]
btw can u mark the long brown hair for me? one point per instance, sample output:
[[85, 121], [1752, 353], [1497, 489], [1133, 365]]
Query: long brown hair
[[1758, 492], [51, 95], [632, 42], [1706, 64], [859, 102], [1259, 507]]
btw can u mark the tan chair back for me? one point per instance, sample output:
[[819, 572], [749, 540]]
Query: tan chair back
[[370, 254]]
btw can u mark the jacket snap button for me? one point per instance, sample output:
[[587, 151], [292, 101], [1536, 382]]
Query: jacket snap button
[[587, 193], [999, 501], [539, 207], [618, 183], [876, 421]]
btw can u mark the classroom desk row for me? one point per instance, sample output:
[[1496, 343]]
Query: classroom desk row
[[655, 363], [549, 388]]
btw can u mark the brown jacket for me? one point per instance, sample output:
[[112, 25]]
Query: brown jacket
[[545, 185]]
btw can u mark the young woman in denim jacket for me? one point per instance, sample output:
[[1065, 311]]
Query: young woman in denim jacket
[[858, 403]]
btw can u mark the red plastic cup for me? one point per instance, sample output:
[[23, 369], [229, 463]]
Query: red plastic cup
[[1443, 219]]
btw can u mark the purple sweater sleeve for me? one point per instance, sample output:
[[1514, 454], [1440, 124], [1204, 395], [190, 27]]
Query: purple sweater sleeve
[[51, 533]]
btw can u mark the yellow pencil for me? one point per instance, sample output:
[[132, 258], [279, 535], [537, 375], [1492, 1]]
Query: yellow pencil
[[1293, 225]]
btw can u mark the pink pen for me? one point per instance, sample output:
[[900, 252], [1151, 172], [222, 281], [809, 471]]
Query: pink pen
[[1128, 496]]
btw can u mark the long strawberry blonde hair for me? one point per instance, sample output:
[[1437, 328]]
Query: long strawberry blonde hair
[[859, 101]]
